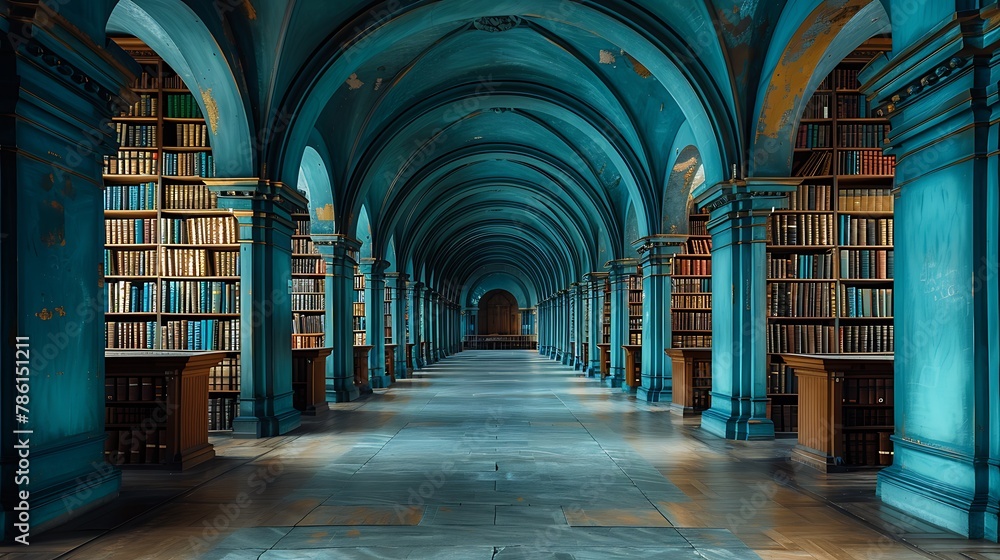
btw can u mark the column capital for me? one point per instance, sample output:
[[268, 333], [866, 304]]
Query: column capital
[[595, 277], [373, 267], [760, 192], [244, 193], [621, 268], [415, 285], [336, 247], [656, 252]]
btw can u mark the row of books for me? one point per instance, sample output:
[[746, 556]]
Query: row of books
[[182, 106], [698, 227], [868, 448], [801, 299], [221, 413], [685, 300], [865, 231], [635, 338], [308, 302], [303, 227], [811, 197], [800, 266], [865, 162], [633, 283], [191, 135], [118, 262], [818, 163], [308, 323], [146, 80], [692, 267], [781, 380], [137, 135], [862, 135], [688, 286], [866, 338], [360, 338], [818, 107], [303, 246], [691, 321], [201, 334], [200, 297], [699, 246], [866, 263], [146, 106], [868, 391], [132, 162], [210, 230], [199, 262], [359, 283], [180, 196], [225, 376], [359, 322], [785, 417], [130, 334], [304, 341], [814, 136], [307, 265], [195, 164], [691, 341], [801, 229], [121, 414], [135, 388], [843, 78], [172, 81], [860, 416], [131, 231], [852, 106], [308, 285], [865, 199], [130, 297], [785, 338], [130, 197], [137, 445], [634, 322]]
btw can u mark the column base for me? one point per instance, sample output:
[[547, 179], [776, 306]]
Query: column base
[[566, 360], [316, 409], [937, 500], [54, 502], [653, 395], [402, 372], [737, 428], [346, 394], [594, 370], [612, 381], [816, 460], [252, 427], [685, 412], [381, 381]]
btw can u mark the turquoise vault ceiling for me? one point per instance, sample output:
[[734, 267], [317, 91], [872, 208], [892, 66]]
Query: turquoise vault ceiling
[[530, 141]]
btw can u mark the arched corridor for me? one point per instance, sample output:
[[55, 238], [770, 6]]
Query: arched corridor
[[497, 455]]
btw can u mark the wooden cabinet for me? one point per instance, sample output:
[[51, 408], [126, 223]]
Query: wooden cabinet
[[361, 366], [309, 379], [390, 361], [633, 365], [845, 409], [692, 378], [605, 359], [156, 407]]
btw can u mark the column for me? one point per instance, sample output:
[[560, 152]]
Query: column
[[579, 294], [52, 286], [427, 324], [942, 93], [374, 273], [397, 282], [339, 253], [442, 329], [558, 326], [738, 222], [595, 287], [656, 257], [416, 291], [620, 271], [263, 210], [542, 330]]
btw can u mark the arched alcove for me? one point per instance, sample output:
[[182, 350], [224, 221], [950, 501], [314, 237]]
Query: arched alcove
[[499, 314]]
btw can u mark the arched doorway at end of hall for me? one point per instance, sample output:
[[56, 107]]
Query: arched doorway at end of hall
[[499, 314]]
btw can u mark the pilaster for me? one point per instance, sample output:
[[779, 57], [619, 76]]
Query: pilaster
[[339, 252], [595, 289], [374, 273], [656, 255], [620, 271]]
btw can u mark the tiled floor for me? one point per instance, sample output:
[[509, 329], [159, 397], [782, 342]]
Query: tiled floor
[[498, 455]]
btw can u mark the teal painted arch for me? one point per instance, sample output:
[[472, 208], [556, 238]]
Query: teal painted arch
[[686, 176], [180, 36], [314, 179], [498, 279], [337, 58], [811, 39]]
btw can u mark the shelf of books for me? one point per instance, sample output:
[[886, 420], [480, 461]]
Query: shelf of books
[[171, 259], [359, 318], [308, 288], [830, 254], [691, 289], [633, 344], [605, 344]]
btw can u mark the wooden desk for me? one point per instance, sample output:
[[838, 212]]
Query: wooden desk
[[845, 409], [633, 365], [156, 407], [390, 361], [361, 366], [605, 359], [309, 379], [692, 380]]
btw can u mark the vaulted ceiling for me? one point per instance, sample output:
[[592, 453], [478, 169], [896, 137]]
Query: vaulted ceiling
[[504, 138]]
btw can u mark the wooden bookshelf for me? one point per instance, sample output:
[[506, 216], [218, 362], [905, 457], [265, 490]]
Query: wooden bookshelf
[[692, 378], [172, 257], [633, 345], [605, 344], [308, 288], [360, 320], [830, 255], [156, 410], [309, 379], [691, 288]]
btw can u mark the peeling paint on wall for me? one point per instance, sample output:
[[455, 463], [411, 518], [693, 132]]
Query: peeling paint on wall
[[378, 84], [61, 310], [354, 83], [44, 314], [325, 213], [637, 66], [211, 109], [607, 57], [251, 13]]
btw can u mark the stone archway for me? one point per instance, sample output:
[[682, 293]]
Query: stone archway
[[499, 314]]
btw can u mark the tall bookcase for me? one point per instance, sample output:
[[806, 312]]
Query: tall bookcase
[[360, 320], [171, 259], [691, 289], [633, 343], [830, 255], [308, 288], [605, 344], [388, 315]]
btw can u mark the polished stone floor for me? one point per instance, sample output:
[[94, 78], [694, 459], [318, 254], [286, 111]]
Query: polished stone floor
[[498, 455]]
